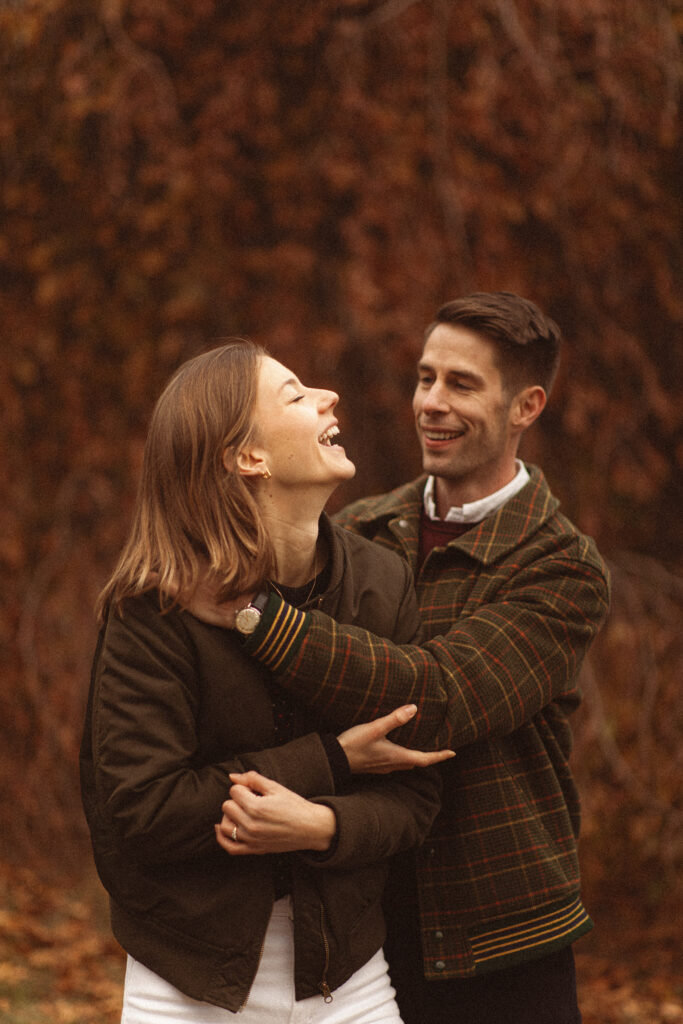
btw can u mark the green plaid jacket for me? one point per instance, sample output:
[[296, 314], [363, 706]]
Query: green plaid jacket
[[509, 610]]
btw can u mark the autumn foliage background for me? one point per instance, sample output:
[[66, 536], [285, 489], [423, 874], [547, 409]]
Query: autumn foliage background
[[321, 177]]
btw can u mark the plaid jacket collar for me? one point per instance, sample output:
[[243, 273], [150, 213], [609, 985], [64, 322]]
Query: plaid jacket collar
[[517, 520]]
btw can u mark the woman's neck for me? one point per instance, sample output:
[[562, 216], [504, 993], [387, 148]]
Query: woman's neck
[[295, 542], [297, 564]]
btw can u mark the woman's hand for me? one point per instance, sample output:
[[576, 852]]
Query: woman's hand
[[368, 750], [266, 817]]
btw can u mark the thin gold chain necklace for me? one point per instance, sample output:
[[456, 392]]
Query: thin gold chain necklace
[[311, 589], [308, 595]]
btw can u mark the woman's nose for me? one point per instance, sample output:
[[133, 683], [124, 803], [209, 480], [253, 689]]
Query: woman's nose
[[327, 399]]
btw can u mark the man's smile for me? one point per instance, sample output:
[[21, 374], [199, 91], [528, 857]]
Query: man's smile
[[439, 435]]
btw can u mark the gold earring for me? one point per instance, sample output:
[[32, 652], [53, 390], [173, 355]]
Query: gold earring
[[266, 474]]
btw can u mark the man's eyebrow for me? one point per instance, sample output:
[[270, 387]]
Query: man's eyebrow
[[452, 372]]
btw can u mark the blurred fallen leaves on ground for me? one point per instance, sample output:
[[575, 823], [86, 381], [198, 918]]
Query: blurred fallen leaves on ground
[[58, 960], [629, 972], [59, 963]]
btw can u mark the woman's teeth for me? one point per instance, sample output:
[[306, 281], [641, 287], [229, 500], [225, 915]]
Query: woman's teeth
[[326, 438]]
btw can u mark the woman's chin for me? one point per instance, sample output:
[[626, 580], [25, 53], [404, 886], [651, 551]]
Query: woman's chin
[[347, 471], [343, 466]]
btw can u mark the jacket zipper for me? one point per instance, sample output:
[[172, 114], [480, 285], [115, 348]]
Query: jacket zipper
[[323, 986], [258, 964]]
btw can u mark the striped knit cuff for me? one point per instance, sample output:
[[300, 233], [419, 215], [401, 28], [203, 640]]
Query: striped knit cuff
[[279, 634], [524, 940]]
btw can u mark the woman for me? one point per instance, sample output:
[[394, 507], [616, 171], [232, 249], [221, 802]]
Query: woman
[[238, 465]]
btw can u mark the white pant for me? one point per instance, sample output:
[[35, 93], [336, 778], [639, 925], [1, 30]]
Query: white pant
[[366, 998]]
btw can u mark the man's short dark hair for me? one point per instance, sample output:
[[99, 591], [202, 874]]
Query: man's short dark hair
[[527, 341]]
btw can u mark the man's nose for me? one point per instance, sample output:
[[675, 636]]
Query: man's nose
[[435, 400]]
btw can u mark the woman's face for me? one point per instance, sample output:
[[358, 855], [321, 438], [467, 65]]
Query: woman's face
[[295, 428]]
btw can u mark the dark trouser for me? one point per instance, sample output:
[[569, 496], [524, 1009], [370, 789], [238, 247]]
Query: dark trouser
[[538, 992]]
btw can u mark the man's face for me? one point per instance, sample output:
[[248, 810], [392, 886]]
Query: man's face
[[463, 417]]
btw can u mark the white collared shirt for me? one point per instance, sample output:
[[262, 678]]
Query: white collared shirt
[[475, 511]]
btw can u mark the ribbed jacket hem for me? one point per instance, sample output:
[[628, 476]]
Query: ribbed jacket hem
[[525, 937]]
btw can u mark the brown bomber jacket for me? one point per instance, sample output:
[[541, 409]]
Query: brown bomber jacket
[[175, 705]]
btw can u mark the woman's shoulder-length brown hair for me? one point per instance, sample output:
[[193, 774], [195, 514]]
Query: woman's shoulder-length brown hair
[[192, 503]]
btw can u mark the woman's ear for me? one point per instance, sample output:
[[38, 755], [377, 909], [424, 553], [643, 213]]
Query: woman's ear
[[248, 462], [528, 406]]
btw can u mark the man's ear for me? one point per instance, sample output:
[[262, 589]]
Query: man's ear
[[527, 406]]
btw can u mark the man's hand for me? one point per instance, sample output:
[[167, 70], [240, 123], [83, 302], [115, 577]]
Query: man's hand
[[266, 817], [202, 602], [368, 749]]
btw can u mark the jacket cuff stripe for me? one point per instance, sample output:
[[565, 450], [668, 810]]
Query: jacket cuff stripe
[[283, 638], [553, 930]]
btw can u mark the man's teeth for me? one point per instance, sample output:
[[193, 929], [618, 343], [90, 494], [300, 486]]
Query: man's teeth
[[326, 438], [440, 435]]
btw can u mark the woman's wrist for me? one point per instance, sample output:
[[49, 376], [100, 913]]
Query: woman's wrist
[[322, 828]]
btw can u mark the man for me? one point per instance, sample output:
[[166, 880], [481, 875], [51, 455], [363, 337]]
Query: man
[[482, 917]]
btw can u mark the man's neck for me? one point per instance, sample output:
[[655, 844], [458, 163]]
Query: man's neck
[[444, 502]]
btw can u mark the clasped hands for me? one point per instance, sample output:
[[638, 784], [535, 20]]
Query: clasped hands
[[262, 816]]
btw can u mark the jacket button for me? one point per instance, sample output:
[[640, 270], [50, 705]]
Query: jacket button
[[439, 965], [403, 523], [438, 935]]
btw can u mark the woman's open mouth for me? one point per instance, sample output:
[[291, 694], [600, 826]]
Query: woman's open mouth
[[327, 438]]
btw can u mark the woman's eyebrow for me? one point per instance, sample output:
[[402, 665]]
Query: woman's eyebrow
[[291, 382]]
